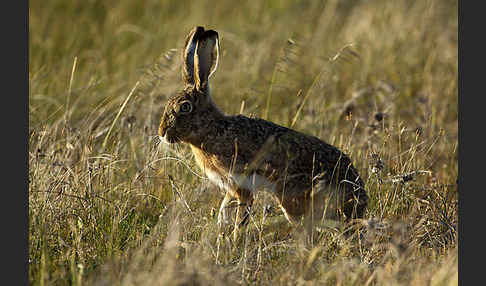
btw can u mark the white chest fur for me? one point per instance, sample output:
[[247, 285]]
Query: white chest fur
[[251, 182]]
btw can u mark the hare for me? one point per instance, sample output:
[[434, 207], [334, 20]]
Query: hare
[[307, 177]]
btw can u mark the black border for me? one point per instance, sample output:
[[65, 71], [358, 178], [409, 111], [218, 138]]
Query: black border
[[470, 185], [15, 143]]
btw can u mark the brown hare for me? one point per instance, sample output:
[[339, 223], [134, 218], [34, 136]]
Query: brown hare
[[307, 177]]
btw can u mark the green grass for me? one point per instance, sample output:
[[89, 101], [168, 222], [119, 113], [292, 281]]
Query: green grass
[[108, 206]]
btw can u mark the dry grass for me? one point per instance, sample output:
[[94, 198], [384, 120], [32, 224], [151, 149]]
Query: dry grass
[[108, 206]]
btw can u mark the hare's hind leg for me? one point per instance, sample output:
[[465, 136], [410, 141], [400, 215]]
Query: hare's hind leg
[[355, 203], [308, 207], [293, 205]]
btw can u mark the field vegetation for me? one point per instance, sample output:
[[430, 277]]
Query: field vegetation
[[108, 205]]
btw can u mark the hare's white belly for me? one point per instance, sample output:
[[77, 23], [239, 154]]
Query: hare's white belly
[[251, 182]]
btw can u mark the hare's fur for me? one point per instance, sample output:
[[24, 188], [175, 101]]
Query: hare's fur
[[242, 155]]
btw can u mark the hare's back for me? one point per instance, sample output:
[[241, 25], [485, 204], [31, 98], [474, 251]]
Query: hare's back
[[283, 149]]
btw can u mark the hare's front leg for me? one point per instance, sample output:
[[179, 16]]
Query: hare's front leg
[[245, 201], [223, 210]]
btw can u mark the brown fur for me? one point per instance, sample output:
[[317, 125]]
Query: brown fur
[[307, 173]]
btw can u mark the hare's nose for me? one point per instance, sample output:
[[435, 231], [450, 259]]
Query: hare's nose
[[163, 140]]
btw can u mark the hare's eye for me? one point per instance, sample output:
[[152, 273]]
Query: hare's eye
[[185, 107]]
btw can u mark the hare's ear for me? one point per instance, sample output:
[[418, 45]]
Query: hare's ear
[[188, 55], [206, 59]]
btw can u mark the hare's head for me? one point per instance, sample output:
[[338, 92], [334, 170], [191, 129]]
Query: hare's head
[[188, 112]]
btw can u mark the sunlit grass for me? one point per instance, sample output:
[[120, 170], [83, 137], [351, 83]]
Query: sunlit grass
[[108, 205]]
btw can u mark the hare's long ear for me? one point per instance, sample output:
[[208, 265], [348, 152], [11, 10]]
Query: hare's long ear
[[206, 59], [188, 55]]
